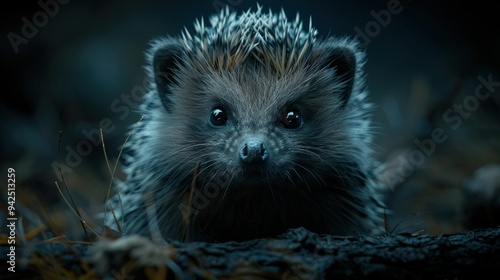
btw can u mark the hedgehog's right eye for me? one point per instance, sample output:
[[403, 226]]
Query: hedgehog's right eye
[[291, 118], [218, 116]]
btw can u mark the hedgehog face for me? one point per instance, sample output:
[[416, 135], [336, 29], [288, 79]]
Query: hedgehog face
[[258, 126], [251, 100]]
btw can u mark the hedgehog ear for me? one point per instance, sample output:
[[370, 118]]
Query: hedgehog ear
[[343, 61], [165, 61]]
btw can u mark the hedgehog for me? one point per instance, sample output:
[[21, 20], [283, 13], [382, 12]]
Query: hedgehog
[[253, 125]]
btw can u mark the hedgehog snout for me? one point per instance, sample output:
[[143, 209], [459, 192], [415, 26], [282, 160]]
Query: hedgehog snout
[[253, 152]]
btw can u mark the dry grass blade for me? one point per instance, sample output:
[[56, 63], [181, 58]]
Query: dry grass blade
[[121, 227], [391, 232], [75, 210], [84, 224], [116, 219]]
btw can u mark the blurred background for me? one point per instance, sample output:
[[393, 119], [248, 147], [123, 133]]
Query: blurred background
[[76, 66]]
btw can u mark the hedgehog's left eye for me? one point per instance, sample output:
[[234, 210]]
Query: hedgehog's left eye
[[218, 116], [291, 118]]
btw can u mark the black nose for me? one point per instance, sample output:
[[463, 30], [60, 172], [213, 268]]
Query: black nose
[[254, 151]]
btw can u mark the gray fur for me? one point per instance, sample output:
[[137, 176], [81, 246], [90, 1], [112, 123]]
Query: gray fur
[[319, 176]]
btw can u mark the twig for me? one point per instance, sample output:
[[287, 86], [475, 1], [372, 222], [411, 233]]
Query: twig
[[112, 173], [77, 212]]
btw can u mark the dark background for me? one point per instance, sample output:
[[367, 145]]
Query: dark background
[[89, 54]]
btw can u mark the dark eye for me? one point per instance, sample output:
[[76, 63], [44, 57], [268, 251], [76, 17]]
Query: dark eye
[[218, 116], [291, 118]]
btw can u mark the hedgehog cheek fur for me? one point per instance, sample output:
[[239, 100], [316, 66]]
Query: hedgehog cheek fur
[[252, 146]]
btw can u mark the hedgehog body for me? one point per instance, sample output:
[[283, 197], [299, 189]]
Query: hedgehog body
[[252, 126]]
